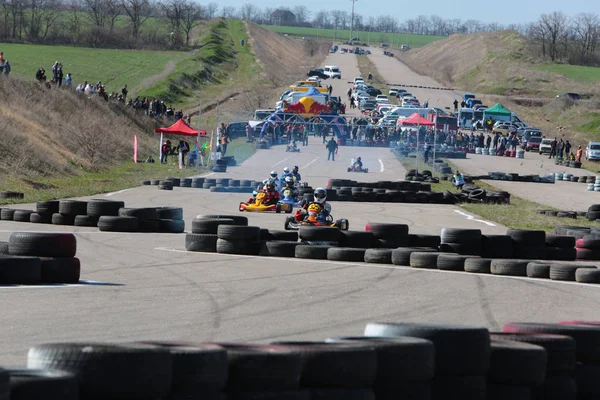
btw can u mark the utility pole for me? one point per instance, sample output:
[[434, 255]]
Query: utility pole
[[352, 20]]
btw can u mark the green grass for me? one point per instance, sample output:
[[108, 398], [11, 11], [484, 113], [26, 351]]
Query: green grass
[[575, 72], [393, 39], [114, 68]]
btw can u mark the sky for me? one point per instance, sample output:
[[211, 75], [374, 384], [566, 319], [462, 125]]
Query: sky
[[504, 12]]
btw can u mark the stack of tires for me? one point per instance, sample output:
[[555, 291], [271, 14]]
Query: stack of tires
[[278, 243], [32, 258], [220, 166], [461, 241], [204, 231], [148, 218], [587, 248], [528, 244], [160, 219], [43, 212], [97, 209], [593, 213], [237, 239], [559, 247], [166, 184], [388, 235], [68, 210], [11, 195]]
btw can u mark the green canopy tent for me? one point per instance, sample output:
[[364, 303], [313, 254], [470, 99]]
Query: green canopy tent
[[497, 110]]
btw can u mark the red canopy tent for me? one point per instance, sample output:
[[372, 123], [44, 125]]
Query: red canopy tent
[[416, 119], [180, 128]]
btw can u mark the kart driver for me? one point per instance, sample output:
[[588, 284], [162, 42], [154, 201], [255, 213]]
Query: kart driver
[[320, 199], [286, 173], [272, 193], [290, 184], [358, 164], [275, 180], [296, 175]]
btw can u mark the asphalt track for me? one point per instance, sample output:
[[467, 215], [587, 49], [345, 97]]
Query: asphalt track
[[146, 286]]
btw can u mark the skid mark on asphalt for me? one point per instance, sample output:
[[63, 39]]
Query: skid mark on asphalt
[[472, 218], [399, 267], [485, 304]]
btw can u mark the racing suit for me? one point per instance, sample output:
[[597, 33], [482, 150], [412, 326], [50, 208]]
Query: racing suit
[[358, 165], [297, 177], [277, 182], [294, 192], [272, 196], [325, 211]]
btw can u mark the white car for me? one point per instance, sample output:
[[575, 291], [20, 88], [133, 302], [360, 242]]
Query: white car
[[407, 95], [546, 146], [592, 151], [359, 79], [382, 98], [314, 79], [393, 92]]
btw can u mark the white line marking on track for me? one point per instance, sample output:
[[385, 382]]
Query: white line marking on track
[[381, 163], [399, 267], [470, 217], [120, 191], [311, 162], [282, 161]]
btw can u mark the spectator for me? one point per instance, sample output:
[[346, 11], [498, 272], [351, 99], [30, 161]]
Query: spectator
[[183, 148], [567, 148], [124, 92], [68, 80], [224, 142], [40, 75], [331, 146], [455, 105], [579, 154], [165, 150], [553, 148], [59, 75], [2, 60], [6, 68]]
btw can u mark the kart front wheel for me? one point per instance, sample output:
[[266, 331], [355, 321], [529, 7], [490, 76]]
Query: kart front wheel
[[278, 208], [241, 207], [349, 169], [287, 222]]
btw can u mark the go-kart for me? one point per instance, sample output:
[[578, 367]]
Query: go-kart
[[287, 202], [357, 168], [290, 148], [311, 219], [259, 204]]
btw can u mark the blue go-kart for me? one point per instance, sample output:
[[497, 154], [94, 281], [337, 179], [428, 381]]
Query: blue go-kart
[[287, 202]]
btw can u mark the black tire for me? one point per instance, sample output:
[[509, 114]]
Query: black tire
[[587, 275], [154, 182], [497, 246], [421, 240], [378, 256], [273, 234], [132, 371], [451, 262], [28, 384], [146, 183], [560, 241], [143, 214], [459, 350], [47, 207], [517, 363], [6, 214], [341, 394], [319, 233], [387, 230], [586, 377], [467, 249], [356, 239], [209, 225], [423, 259], [399, 359], [22, 215], [36, 218], [346, 254], [560, 349], [401, 256], [201, 242], [509, 267], [22, 270], [566, 272], [336, 365], [588, 242], [72, 207], [495, 391], [556, 388], [237, 219], [60, 269], [11, 195], [527, 252], [280, 248], [171, 225], [254, 367], [185, 182], [170, 212], [175, 181], [4, 247], [85, 220], [244, 246], [237, 232], [538, 270], [59, 219], [450, 235], [478, 265], [100, 207], [196, 369], [118, 224], [149, 226], [315, 252], [43, 244], [587, 337], [561, 254], [551, 213], [588, 254], [528, 237], [394, 243]]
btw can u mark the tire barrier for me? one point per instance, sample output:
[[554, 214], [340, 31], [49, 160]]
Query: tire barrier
[[404, 152], [388, 360], [559, 214], [415, 190], [227, 185], [502, 176], [107, 215], [11, 195], [31, 258], [568, 163]]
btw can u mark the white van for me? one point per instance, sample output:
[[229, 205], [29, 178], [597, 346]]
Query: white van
[[332, 71]]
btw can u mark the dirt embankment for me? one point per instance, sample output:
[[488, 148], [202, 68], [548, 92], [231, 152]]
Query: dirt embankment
[[53, 131]]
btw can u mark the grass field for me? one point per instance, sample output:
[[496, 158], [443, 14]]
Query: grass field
[[393, 39], [576, 72], [114, 68]]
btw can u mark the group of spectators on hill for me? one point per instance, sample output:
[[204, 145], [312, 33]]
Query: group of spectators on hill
[[4, 65]]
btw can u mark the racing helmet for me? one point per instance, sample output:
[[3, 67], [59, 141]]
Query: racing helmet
[[286, 170], [289, 181], [320, 195], [358, 159], [270, 184], [314, 208], [295, 170], [274, 174]]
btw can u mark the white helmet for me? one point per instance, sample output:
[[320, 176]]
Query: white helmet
[[286, 170], [273, 174], [320, 195]]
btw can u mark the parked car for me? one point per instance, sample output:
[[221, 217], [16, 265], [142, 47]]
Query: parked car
[[592, 151], [368, 105], [319, 73], [359, 79], [374, 92], [504, 127], [528, 133], [546, 146], [570, 95], [533, 144], [368, 51], [381, 98]]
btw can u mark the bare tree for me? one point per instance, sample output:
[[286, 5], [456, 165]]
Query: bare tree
[[585, 29], [248, 11], [228, 12], [49, 16], [322, 19], [211, 10], [114, 9], [174, 11], [138, 12], [192, 13], [555, 25], [302, 14], [74, 18]]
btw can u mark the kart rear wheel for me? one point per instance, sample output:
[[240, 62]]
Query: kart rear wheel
[[349, 169], [278, 208], [286, 225], [241, 206], [366, 170]]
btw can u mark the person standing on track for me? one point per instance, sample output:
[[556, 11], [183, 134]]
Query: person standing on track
[[331, 146]]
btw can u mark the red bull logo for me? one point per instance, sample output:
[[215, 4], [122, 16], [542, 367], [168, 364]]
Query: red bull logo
[[296, 108], [318, 108]]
